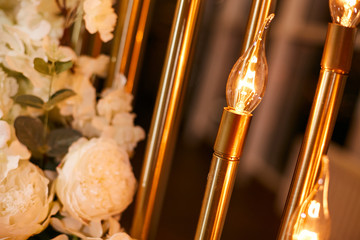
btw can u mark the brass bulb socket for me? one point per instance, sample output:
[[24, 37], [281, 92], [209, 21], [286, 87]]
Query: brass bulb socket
[[231, 136], [338, 49]]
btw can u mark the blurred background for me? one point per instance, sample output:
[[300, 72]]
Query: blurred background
[[294, 49]]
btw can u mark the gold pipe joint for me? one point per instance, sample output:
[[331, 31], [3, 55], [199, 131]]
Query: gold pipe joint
[[231, 135], [338, 49], [228, 148]]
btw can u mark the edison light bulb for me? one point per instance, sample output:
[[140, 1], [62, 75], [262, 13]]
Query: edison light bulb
[[311, 220], [247, 80], [345, 12]]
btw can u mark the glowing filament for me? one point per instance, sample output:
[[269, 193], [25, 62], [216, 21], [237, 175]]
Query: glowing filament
[[347, 18], [314, 209], [307, 235], [345, 12]]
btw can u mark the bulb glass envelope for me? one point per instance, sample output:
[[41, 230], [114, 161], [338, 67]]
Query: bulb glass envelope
[[311, 220], [247, 80], [345, 12]]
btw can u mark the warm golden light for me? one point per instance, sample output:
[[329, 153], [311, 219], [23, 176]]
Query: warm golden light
[[345, 12], [311, 220], [314, 209], [247, 80], [307, 235]]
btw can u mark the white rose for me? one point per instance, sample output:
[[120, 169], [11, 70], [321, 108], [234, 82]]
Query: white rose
[[25, 202], [95, 180]]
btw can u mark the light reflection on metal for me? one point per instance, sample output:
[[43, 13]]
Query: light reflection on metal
[[129, 40], [259, 11], [138, 46], [165, 120], [335, 66], [224, 164], [122, 26]]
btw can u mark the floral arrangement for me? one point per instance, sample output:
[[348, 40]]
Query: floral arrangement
[[64, 149]]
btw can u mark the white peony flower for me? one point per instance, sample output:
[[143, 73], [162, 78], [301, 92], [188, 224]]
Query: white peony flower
[[25, 202], [30, 21], [50, 12], [113, 102], [120, 236], [82, 105], [108, 229], [124, 132], [11, 151], [89, 66], [100, 17], [112, 119], [95, 180]]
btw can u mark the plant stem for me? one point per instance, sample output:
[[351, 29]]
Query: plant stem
[[46, 117]]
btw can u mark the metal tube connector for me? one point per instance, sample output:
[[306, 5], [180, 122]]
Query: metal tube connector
[[228, 148]]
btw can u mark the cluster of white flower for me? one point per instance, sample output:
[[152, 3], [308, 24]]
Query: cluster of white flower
[[94, 181]]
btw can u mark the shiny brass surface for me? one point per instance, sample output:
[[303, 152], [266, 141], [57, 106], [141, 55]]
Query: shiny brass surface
[[164, 125], [215, 204], [231, 135], [336, 62], [228, 147], [138, 45], [339, 46], [128, 42], [122, 25], [258, 12]]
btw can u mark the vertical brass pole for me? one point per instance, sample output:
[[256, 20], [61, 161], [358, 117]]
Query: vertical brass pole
[[166, 115], [258, 12], [129, 40], [122, 26], [138, 42], [335, 65]]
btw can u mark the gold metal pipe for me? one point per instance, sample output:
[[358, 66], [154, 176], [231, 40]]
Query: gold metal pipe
[[165, 121], [258, 12], [122, 25], [227, 151], [335, 65], [138, 46], [129, 40]]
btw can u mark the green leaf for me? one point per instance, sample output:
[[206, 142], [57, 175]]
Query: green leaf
[[30, 132], [59, 141], [42, 67], [29, 100], [62, 66], [59, 96]]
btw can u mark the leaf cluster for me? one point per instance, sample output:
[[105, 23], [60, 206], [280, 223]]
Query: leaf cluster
[[50, 68], [30, 132], [36, 102]]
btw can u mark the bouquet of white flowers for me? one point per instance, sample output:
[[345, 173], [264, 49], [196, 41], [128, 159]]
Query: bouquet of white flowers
[[64, 149]]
